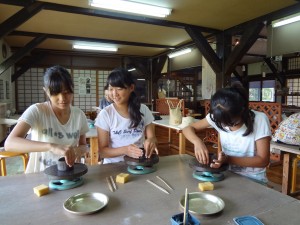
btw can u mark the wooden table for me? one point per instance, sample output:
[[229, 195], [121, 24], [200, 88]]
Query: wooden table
[[93, 139], [137, 202], [289, 152], [165, 123]]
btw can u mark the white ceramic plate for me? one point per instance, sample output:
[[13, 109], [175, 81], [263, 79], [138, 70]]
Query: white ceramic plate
[[203, 204], [86, 203]]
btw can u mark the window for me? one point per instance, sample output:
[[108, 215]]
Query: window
[[254, 91], [294, 92], [268, 91], [262, 91]]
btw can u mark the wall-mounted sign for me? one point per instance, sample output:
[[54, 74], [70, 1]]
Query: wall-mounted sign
[[84, 85]]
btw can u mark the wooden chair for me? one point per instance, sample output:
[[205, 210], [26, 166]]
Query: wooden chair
[[163, 108], [294, 173], [6, 154]]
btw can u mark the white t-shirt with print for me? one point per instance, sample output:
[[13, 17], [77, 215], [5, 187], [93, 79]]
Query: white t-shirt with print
[[118, 127], [45, 127], [235, 144]]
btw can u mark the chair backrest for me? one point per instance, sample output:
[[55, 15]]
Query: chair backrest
[[273, 110], [162, 105]]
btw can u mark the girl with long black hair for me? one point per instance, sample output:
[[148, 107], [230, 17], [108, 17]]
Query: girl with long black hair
[[125, 126], [244, 134], [57, 128]]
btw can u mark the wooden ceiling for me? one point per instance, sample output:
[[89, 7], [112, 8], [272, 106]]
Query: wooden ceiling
[[56, 24]]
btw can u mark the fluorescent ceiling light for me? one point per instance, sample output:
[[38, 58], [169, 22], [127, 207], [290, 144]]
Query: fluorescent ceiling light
[[282, 22], [141, 79], [94, 47], [180, 52], [132, 7], [132, 69]]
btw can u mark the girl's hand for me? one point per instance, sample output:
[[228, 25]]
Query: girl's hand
[[217, 163], [150, 147], [134, 151], [66, 151], [201, 153]]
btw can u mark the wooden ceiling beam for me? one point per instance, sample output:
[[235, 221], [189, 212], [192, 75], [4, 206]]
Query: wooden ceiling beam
[[140, 65], [21, 53], [277, 74], [76, 38], [19, 18], [247, 40], [157, 66], [29, 64], [110, 15], [287, 11], [205, 48]]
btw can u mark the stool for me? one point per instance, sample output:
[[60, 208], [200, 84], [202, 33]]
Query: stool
[[294, 173], [7, 154]]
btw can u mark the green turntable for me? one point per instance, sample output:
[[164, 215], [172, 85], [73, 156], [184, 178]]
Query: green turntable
[[141, 165]]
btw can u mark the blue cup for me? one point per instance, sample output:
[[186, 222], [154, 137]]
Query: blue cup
[[178, 219]]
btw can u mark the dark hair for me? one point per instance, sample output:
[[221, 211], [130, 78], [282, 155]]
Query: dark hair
[[230, 103], [106, 87], [123, 79], [56, 79]]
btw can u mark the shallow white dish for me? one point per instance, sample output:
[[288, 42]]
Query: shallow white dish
[[86, 203], [203, 204]]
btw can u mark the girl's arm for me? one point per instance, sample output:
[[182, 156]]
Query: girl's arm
[[150, 141], [16, 142], [261, 159], [81, 149], [201, 152], [107, 152]]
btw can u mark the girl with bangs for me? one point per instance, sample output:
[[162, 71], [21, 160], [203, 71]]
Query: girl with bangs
[[57, 128], [125, 126], [244, 134]]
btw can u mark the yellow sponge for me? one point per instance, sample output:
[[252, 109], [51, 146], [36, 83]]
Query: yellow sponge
[[206, 186], [122, 178], [41, 190]]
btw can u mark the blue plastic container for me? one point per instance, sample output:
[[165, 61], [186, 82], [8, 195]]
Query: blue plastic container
[[178, 219]]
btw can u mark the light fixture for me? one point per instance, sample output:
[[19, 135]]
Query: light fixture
[[131, 69], [141, 79], [287, 20], [243, 68], [132, 7], [237, 42], [180, 52], [94, 47]]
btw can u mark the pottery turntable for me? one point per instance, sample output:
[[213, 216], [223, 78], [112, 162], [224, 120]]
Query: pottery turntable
[[205, 172], [63, 180], [141, 165]]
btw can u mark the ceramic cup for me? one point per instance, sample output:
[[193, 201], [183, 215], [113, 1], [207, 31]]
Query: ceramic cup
[[144, 154], [62, 165]]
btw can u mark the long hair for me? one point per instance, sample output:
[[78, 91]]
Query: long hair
[[231, 103], [123, 79], [57, 79]]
